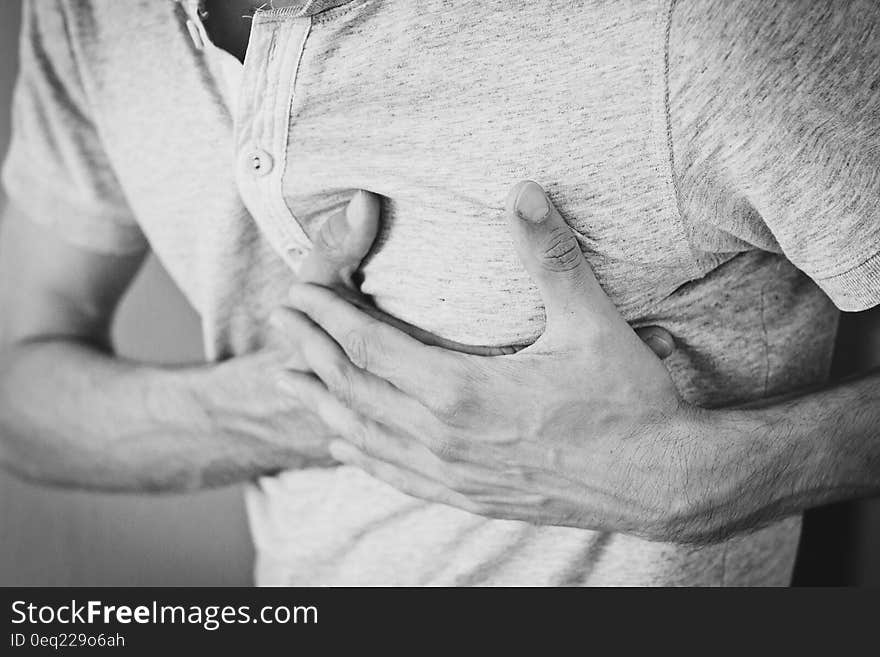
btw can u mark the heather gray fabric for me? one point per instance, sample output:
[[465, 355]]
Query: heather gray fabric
[[702, 152]]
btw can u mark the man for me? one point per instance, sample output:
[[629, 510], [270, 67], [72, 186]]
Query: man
[[716, 162]]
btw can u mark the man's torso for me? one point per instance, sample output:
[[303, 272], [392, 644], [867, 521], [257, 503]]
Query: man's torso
[[440, 107]]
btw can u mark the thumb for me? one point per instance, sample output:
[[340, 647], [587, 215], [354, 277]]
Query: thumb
[[658, 339], [342, 243], [552, 255]]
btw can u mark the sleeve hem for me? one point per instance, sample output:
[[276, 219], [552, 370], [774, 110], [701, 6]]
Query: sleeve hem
[[81, 231], [856, 289], [95, 229]]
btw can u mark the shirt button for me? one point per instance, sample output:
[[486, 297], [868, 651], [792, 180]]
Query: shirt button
[[258, 162]]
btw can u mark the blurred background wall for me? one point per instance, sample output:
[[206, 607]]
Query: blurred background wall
[[62, 538]]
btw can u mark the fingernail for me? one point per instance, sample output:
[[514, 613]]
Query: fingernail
[[357, 208], [531, 203], [659, 345]]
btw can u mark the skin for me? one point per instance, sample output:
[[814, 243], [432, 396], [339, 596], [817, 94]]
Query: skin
[[626, 454], [229, 25], [73, 414], [584, 428]]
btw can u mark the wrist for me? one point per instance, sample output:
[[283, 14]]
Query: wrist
[[224, 407], [242, 408], [232, 396], [736, 468]]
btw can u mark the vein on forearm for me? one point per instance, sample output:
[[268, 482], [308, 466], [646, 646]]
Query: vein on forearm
[[783, 455], [71, 414]]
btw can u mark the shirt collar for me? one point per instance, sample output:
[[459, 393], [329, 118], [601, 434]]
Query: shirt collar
[[293, 9]]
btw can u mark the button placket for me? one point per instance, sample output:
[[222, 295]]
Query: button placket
[[262, 128], [293, 36], [259, 162]]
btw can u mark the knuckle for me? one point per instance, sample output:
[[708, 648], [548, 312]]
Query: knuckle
[[324, 244], [561, 251], [453, 400], [357, 346], [331, 238], [457, 480], [449, 450], [448, 404], [360, 434], [363, 345], [399, 480], [357, 437], [365, 439], [341, 383]]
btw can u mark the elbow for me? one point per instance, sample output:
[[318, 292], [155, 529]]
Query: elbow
[[23, 463], [23, 411]]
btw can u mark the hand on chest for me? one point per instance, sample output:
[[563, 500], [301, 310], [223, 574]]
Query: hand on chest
[[443, 130], [440, 112]]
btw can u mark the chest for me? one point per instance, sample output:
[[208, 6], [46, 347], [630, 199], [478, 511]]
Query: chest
[[439, 107], [442, 112]]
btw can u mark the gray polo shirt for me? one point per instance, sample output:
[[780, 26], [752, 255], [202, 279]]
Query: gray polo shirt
[[718, 160]]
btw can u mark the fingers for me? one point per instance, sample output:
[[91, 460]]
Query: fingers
[[399, 442], [658, 339], [402, 478], [293, 331], [313, 395], [374, 346], [428, 338], [552, 255], [410, 468], [342, 243], [317, 352]]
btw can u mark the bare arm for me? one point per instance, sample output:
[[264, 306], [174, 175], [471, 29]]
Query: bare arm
[[584, 428], [72, 413], [803, 450]]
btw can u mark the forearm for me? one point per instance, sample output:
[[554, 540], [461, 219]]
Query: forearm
[[73, 415], [777, 458]]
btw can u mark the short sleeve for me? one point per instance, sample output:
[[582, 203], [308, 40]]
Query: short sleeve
[[56, 170], [775, 116]]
